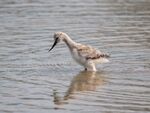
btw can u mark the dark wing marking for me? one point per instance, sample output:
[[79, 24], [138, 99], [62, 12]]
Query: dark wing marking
[[90, 53]]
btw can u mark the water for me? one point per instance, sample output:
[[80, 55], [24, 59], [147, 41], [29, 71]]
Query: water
[[33, 80]]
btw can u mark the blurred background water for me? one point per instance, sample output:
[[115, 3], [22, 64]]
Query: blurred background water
[[33, 80]]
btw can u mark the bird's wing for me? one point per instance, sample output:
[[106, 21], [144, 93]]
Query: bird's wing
[[90, 53]]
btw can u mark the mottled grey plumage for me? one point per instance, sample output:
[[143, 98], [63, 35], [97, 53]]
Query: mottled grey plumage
[[90, 53]]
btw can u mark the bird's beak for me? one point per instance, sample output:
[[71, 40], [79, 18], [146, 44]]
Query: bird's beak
[[56, 40]]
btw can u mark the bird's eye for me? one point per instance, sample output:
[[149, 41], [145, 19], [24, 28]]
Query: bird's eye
[[56, 38]]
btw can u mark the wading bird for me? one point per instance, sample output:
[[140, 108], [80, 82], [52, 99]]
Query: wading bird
[[85, 55]]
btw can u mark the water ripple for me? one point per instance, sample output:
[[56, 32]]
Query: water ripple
[[35, 80]]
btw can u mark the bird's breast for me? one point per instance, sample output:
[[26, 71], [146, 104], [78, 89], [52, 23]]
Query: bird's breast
[[78, 58]]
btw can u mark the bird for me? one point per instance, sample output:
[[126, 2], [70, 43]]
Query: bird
[[85, 55]]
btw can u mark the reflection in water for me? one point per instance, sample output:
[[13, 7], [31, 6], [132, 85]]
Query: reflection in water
[[84, 81]]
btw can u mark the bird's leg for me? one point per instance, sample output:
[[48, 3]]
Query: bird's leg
[[93, 67], [90, 66]]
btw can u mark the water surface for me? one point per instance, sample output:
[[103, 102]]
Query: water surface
[[32, 80]]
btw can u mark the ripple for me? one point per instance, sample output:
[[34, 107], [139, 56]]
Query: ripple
[[33, 79]]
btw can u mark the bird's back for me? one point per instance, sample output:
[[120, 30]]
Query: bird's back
[[90, 53]]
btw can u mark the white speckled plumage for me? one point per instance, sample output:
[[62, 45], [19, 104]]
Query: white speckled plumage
[[85, 55]]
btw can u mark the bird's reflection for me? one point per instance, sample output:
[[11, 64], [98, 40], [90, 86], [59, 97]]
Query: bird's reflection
[[84, 81]]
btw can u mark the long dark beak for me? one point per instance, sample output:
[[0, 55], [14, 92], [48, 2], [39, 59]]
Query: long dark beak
[[54, 44]]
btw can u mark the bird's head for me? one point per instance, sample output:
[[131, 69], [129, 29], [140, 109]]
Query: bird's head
[[58, 37]]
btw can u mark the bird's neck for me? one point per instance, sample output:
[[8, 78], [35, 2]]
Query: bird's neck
[[69, 42]]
